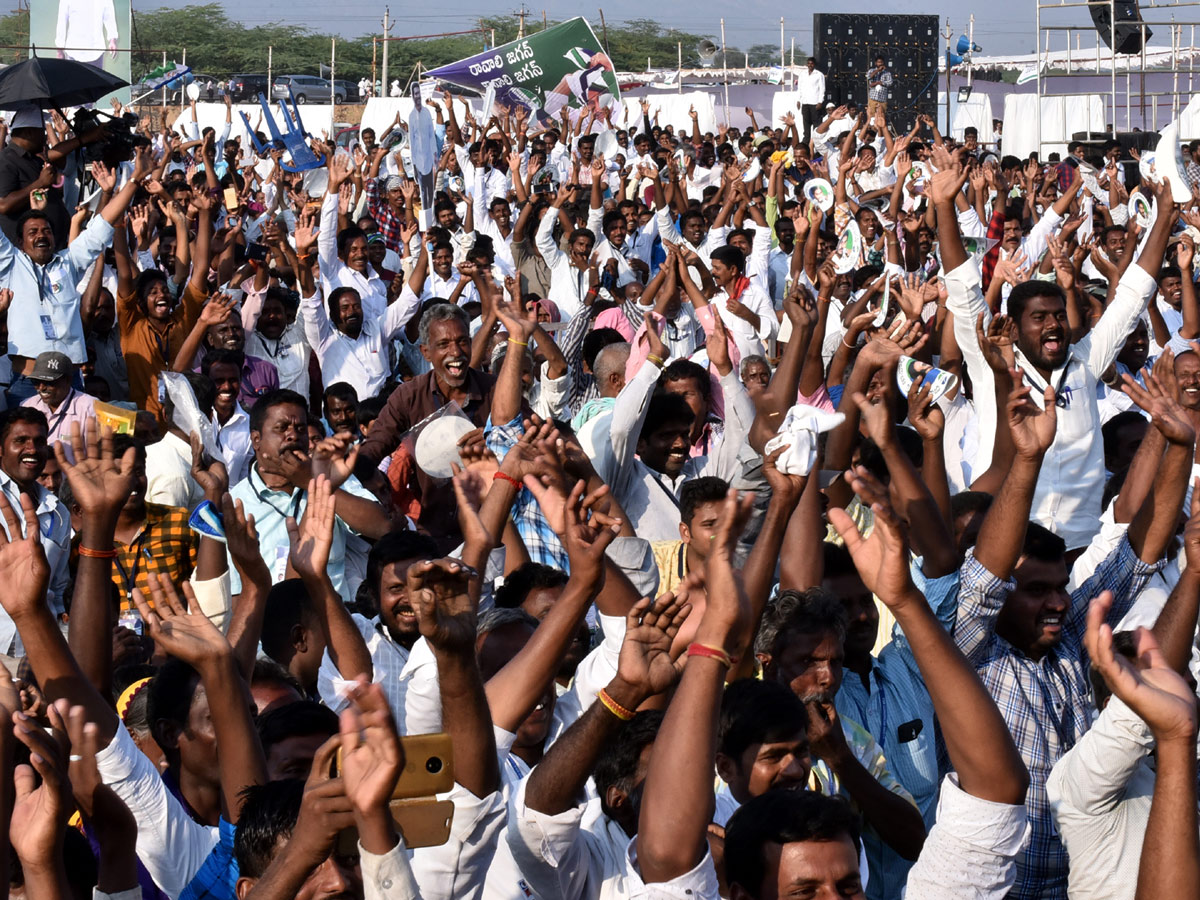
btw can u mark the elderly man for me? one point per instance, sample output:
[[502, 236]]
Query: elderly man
[[445, 341]]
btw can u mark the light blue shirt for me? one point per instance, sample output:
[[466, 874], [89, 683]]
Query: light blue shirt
[[44, 314], [55, 526], [898, 713], [271, 510]]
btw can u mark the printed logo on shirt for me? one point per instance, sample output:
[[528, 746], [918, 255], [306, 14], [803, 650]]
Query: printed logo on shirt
[[526, 891]]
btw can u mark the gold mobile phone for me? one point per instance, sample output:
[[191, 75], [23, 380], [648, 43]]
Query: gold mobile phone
[[428, 766], [422, 823], [231, 199]]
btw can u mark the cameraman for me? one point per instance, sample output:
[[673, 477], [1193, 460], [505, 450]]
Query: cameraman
[[23, 170]]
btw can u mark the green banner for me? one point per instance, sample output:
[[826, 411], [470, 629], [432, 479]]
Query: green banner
[[563, 67]]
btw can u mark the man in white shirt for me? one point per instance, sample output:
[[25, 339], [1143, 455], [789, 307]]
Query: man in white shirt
[[343, 255], [574, 274], [1067, 498], [351, 346], [742, 302], [811, 85]]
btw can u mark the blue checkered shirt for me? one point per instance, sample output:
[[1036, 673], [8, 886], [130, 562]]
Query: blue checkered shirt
[[541, 542], [218, 875], [1047, 703], [880, 91]]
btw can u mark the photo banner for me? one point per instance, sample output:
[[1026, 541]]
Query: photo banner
[[95, 32], [560, 68]]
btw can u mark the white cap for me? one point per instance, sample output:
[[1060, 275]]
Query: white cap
[[28, 117]]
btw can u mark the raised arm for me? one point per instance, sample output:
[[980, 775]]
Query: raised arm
[[311, 541], [978, 741], [677, 796]]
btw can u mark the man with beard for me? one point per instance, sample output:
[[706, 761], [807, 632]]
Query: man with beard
[[23, 454], [1072, 481], [445, 341], [276, 487], [104, 342], [219, 329], [349, 345], [391, 633]]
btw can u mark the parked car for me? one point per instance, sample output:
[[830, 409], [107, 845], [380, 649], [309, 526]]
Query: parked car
[[246, 88], [305, 88], [347, 90], [179, 92]]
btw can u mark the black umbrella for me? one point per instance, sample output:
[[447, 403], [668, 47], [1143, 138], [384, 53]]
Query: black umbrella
[[49, 82]]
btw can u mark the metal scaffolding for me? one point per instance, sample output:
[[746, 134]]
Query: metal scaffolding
[[1135, 95]]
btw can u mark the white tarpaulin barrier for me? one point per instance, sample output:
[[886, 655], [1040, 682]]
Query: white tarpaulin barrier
[[975, 110], [782, 103], [317, 118], [1061, 118], [672, 109], [1189, 121], [380, 112]]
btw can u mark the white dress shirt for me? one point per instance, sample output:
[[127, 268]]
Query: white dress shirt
[[811, 86], [1067, 497], [363, 362], [54, 522], [372, 290], [233, 443], [1099, 794], [568, 285]]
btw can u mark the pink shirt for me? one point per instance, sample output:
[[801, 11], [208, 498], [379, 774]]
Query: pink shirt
[[77, 407]]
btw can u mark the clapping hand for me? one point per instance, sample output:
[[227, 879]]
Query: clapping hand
[[312, 539], [187, 634]]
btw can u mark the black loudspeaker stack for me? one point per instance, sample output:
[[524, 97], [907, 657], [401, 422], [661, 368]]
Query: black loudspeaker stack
[[845, 46], [1128, 34]]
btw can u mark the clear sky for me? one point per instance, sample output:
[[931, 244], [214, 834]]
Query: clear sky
[[1004, 27]]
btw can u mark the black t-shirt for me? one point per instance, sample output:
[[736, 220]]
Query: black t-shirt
[[20, 168]]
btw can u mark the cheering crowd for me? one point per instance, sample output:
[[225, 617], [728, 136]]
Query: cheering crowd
[[757, 514]]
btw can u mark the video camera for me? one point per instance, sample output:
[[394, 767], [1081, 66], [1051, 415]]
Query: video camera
[[120, 139]]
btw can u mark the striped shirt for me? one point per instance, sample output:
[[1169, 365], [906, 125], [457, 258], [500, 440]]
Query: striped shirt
[[879, 92], [1047, 703]]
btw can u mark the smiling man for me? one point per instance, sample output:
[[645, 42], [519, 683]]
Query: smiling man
[[23, 454], [445, 341], [56, 399], [1069, 491]]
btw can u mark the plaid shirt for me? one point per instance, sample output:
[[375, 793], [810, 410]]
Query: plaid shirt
[[1046, 703], [164, 546], [880, 91], [389, 223], [218, 874], [541, 542]]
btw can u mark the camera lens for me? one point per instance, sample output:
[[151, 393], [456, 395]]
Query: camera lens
[[433, 765]]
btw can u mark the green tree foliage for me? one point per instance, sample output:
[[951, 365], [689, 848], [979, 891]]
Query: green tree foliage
[[218, 45]]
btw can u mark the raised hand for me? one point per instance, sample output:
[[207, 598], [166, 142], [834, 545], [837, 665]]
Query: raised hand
[[1160, 400], [24, 571], [646, 665], [997, 342], [1151, 688], [98, 803], [727, 617], [99, 483], [334, 457], [1032, 428], [587, 534], [312, 540], [881, 558], [925, 417], [209, 473], [438, 591], [39, 812], [186, 634], [372, 759]]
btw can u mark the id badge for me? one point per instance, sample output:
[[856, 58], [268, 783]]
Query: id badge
[[48, 328], [279, 569]]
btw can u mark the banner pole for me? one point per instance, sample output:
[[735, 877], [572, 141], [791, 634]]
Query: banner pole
[[725, 66]]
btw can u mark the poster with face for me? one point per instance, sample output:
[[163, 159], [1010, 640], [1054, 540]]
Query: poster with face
[[422, 142]]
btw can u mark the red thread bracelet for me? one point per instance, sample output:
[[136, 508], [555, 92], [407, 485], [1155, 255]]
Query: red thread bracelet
[[504, 476], [712, 653]]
